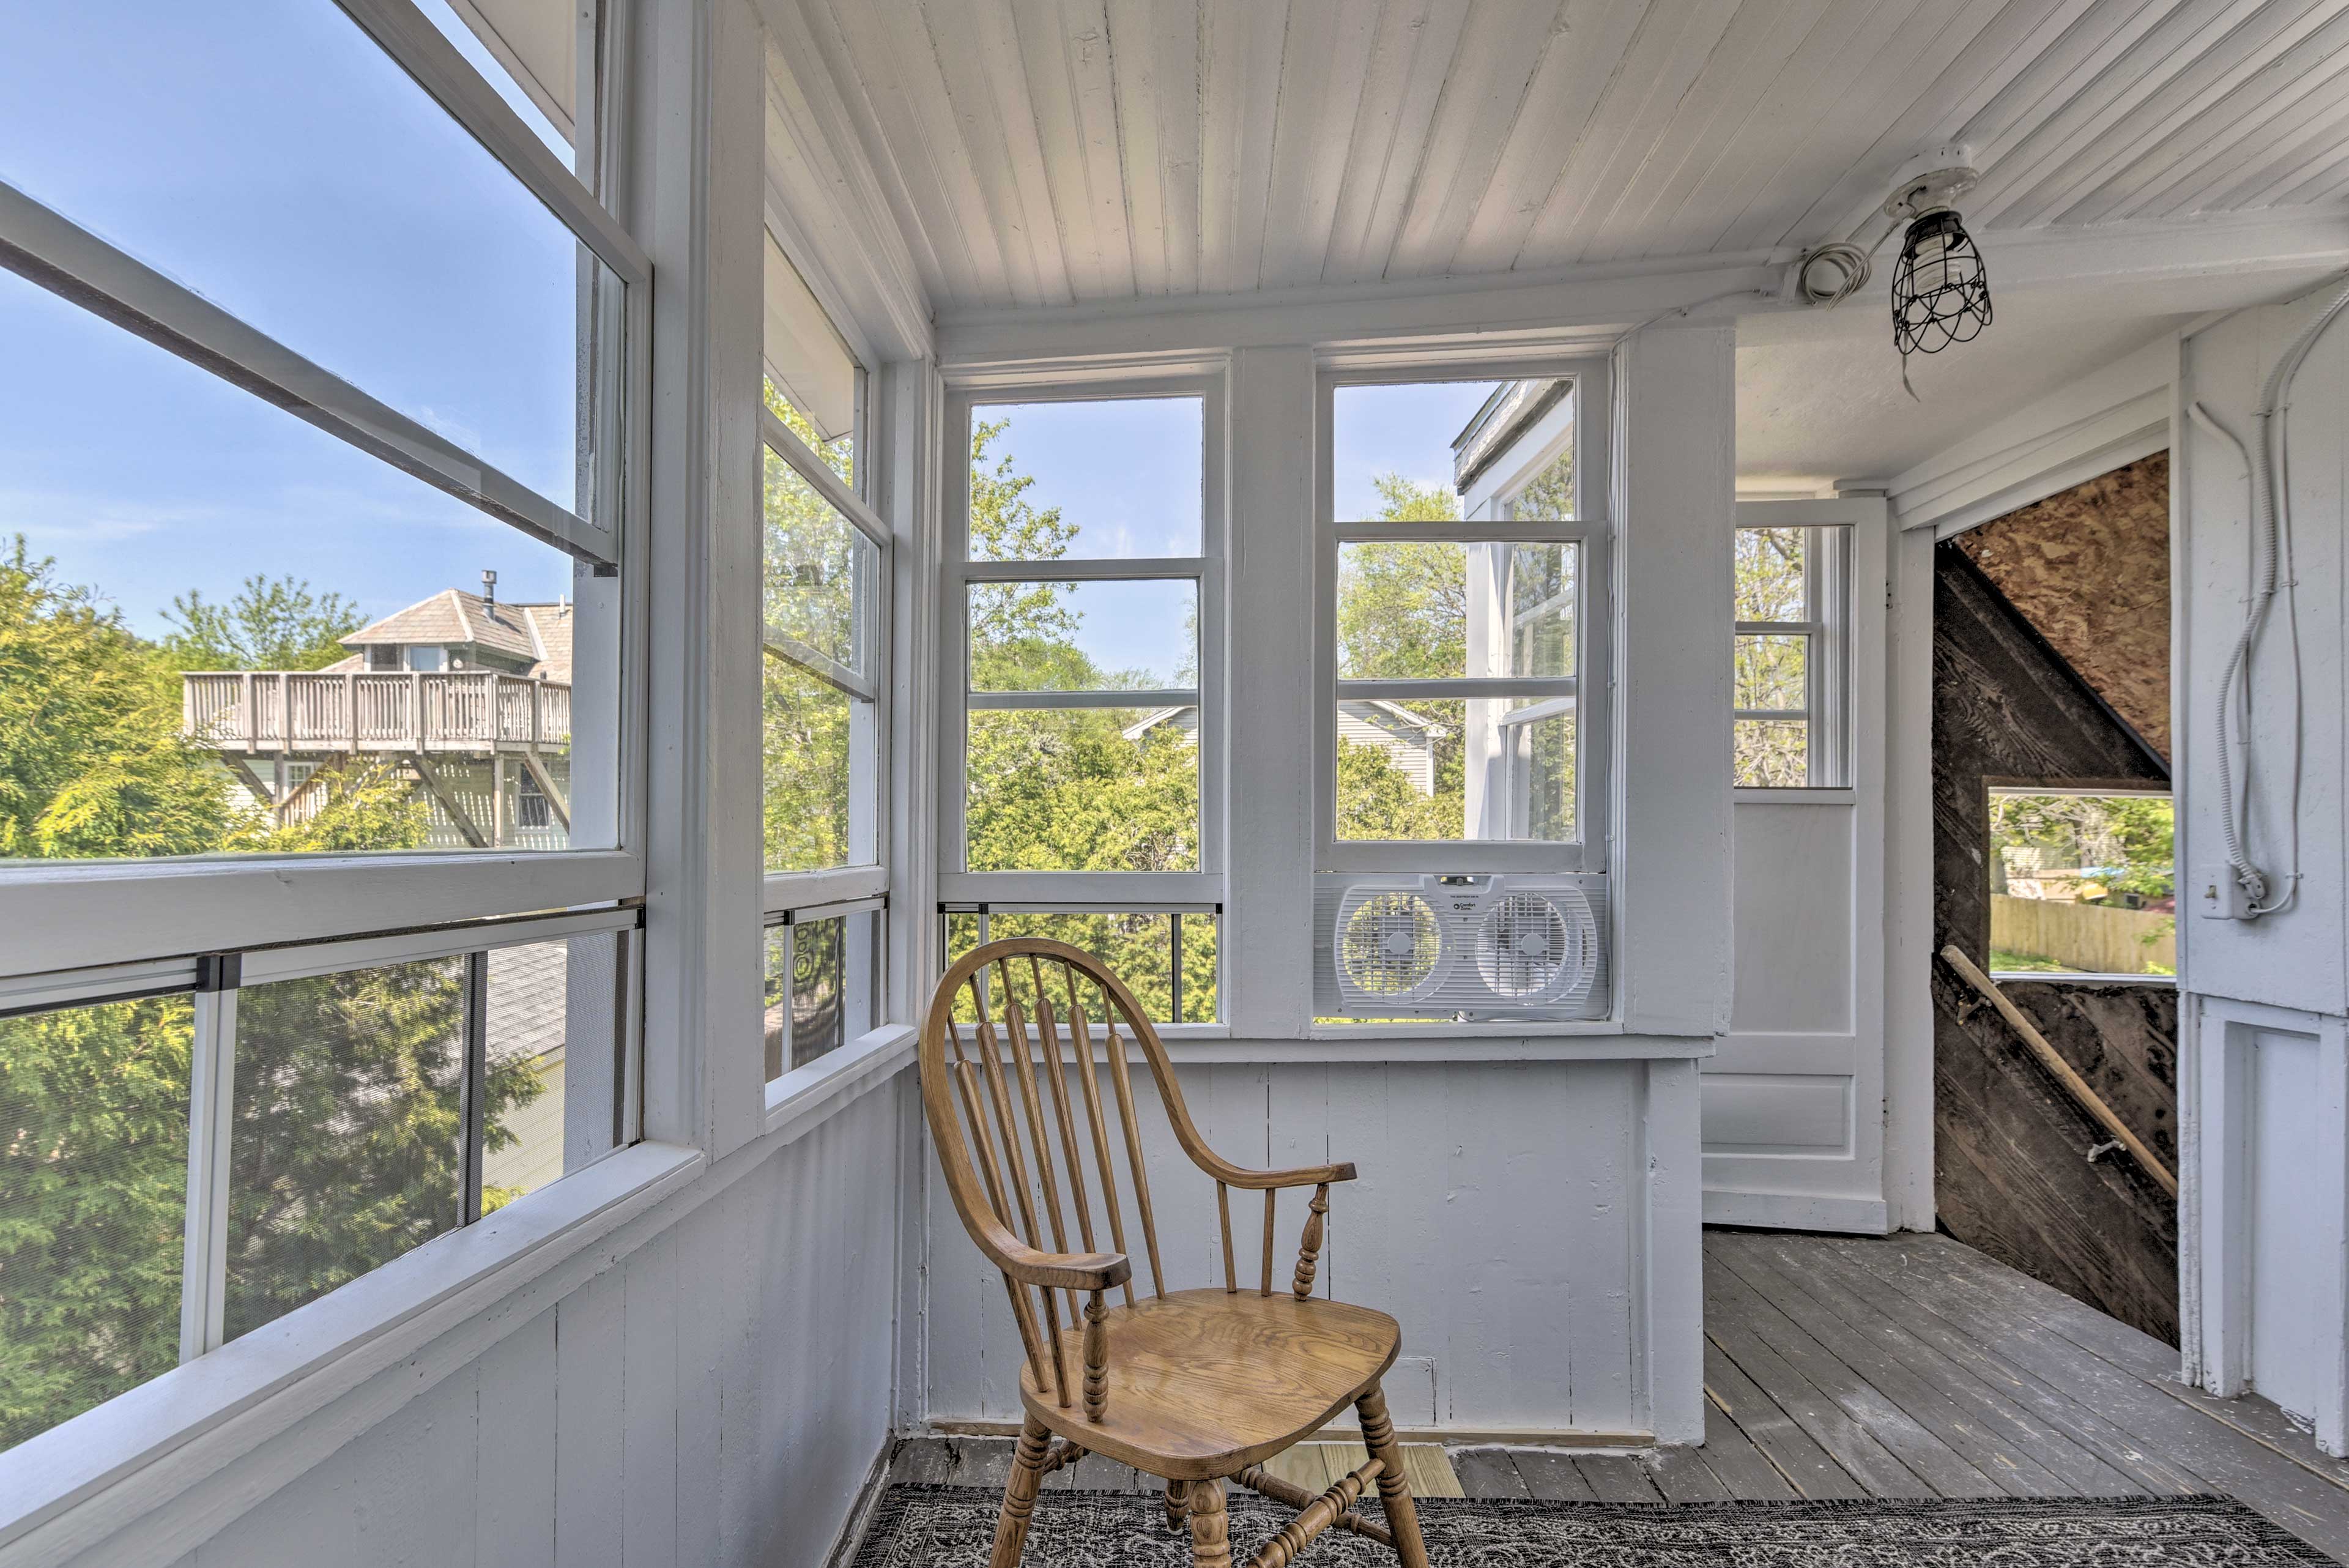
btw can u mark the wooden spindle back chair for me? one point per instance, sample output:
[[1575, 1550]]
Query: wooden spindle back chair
[[1193, 1387]]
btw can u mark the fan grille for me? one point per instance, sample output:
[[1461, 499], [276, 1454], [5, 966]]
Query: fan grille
[[1524, 946], [1389, 943]]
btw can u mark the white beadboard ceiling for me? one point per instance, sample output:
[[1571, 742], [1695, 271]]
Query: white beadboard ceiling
[[1044, 152]]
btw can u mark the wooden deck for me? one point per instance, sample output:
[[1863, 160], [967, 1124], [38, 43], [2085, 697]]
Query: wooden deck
[[1911, 1367]]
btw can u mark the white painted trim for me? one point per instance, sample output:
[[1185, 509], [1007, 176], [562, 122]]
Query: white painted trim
[[52, 251], [107, 1471], [1608, 299], [75, 914], [805, 1098], [1797, 1211], [1667, 1314], [1391, 1042], [1746, 795], [1189, 890], [411, 38], [1908, 923], [828, 194], [295, 962], [783, 891], [2107, 418], [785, 443]]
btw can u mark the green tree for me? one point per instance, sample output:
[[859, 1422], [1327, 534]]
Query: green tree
[[91, 759], [345, 1150], [1771, 582], [272, 624]]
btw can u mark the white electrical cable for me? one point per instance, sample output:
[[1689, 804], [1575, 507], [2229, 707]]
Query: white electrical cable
[[2270, 545]]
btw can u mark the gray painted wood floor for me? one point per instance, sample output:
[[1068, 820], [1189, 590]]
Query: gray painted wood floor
[[1910, 1366]]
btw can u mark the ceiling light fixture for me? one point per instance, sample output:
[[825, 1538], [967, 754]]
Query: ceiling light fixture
[[1940, 288]]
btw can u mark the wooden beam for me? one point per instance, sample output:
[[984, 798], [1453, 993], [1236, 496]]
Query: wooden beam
[[555, 800], [250, 779], [2052, 1060], [448, 799]]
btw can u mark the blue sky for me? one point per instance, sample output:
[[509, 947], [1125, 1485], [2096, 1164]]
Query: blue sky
[[266, 154], [1127, 473]]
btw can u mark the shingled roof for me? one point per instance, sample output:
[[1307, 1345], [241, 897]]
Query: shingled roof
[[538, 632]]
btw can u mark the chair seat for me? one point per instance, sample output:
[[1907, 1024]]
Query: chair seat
[[1203, 1383]]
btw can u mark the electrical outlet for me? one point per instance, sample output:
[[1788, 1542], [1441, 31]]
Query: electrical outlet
[[2218, 897]]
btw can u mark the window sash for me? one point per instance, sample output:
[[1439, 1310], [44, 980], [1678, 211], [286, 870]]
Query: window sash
[[959, 573], [1825, 626], [214, 981], [785, 890], [1591, 531], [86, 913]]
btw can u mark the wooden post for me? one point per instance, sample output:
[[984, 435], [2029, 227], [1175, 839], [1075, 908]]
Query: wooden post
[[351, 708], [251, 714], [416, 707], [500, 825]]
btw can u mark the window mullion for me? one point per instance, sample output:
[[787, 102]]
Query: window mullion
[[474, 1092], [212, 1119]]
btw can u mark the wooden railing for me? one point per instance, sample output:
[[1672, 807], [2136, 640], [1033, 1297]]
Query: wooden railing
[[272, 712]]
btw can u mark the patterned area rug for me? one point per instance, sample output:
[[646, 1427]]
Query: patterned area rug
[[952, 1527]]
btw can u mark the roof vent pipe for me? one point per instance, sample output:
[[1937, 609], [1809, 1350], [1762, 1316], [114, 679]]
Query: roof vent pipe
[[489, 590]]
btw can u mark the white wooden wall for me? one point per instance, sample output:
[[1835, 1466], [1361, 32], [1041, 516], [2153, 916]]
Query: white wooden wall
[[2263, 1070], [716, 1392], [1506, 1214]]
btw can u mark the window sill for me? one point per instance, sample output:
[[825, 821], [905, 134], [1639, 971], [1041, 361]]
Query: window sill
[[805, 1096], [138, 1454], [1752, 797], [2075, 977]]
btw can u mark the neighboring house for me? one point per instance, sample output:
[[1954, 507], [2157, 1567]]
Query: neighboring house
[[528, 1016], [1408, 740], [470, 699]]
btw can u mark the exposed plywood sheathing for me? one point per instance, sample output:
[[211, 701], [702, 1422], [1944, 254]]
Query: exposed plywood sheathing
[[2011, 1172], [2089, 568], [1052, 151]]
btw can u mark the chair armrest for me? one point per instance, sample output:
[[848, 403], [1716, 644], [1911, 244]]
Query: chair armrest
[[1264, 1180], [1052, 1271]]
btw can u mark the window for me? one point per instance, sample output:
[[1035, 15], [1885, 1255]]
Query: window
[[823, 968], [827, 563], [1792, 609], [236, 634], [1086, 556], [357, 1099], [1165, 957], [1463, 630], [2082, 882]]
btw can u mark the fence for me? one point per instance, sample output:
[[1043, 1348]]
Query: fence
[[2085, 937]]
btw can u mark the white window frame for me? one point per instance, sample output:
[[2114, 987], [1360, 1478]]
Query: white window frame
[[69, 915], [1827, 660], [1083, 891], [1590, 687], [790, 891]]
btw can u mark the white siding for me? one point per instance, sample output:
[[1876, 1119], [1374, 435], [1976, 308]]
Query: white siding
[[1503, 1215], [717, 1394]]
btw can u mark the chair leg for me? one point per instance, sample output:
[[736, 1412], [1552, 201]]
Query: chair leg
[[1019, 1494], [1178, 1504], [1402, 1518], [1211, 1541]]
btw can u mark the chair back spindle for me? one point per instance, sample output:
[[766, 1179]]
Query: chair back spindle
[[1026, 1156]]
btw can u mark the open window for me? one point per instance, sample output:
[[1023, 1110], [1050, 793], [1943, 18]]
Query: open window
[[2082, 882], [1086, 559], [823, 710], [321, 850]]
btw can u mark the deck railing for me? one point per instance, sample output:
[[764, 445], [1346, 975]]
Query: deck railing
[[272, 712]]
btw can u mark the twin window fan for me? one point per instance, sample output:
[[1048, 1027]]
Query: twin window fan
[[1461, 948]]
